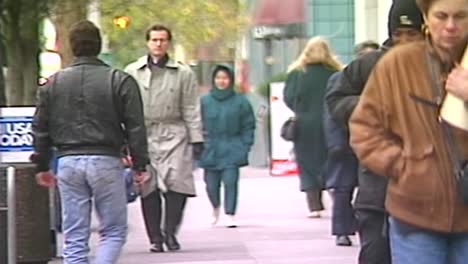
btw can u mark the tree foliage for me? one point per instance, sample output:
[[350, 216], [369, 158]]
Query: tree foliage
[[64, 14], [193, 23], [20, 29]]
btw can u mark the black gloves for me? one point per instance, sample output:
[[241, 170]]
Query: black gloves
[[197, 150]]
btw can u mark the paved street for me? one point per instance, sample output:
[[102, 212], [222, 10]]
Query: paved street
[[272, 229]]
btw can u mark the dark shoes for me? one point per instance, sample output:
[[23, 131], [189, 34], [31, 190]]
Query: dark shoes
[[343, 241], [172, 243], [157, 247]]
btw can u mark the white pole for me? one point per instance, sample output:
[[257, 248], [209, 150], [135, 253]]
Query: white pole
[[11, 215], [382, 23], [94, 15]]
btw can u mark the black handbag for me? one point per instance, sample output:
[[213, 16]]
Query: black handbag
[[289, 129]]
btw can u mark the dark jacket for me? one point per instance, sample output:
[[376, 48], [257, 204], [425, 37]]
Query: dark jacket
[[303, 94], [89, 109], [342, 164], [336, 135], [341, 101], [228, 125]]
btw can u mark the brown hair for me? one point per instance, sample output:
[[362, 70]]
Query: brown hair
[[158, 27], [424, 5], [368, 44], [85, 39]]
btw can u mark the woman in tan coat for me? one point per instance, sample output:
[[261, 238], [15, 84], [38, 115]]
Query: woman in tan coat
[[395, 131]]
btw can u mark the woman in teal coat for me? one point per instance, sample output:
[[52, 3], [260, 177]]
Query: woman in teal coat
[[304, 94], [229, 125]]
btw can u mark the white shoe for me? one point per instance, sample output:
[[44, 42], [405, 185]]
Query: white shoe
[[215, 217], [230, 221], [314, 214]]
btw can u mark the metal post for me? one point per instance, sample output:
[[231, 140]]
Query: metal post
[[268, 58], [11, 215]]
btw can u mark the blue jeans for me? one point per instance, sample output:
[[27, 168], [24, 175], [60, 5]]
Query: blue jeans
[[81, 178], [410, 245], [230, 178]]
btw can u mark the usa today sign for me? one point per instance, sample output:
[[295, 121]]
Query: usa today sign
[[16, 138]]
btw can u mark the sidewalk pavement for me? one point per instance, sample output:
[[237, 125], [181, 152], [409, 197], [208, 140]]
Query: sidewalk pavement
[[272, 229]]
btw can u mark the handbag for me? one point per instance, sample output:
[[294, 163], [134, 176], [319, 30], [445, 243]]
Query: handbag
[[289, 129]]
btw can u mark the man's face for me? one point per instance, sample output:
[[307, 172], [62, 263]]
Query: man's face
[[447, 21], [158, 43], [405, 35]]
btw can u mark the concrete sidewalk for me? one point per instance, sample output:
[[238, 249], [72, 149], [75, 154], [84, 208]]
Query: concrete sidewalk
[[272, 229]]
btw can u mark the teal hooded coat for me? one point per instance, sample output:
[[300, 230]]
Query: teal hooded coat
[[228, 126]]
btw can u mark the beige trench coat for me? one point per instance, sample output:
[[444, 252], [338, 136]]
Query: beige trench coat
[[173, 121]]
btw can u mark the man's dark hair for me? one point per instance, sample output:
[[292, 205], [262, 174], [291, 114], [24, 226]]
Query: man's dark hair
[[369, 44], [158, 27], [85, 39]]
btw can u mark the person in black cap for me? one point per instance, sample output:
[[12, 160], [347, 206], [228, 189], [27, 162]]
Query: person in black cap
[[397, 131], [404, 26]]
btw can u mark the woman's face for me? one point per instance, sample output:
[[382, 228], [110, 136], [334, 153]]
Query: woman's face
[[222, 80], [447, 21]]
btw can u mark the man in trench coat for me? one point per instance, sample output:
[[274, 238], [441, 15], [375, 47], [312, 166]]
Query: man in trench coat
[[173, 121]]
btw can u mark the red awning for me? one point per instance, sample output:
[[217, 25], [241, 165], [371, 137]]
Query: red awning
[[279, 12]]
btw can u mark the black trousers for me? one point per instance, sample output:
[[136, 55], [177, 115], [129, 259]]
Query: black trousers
[[153, 206], [373, 236], [343, 220], [314, 200]]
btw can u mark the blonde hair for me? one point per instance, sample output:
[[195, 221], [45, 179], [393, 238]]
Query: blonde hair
[[317, 50]]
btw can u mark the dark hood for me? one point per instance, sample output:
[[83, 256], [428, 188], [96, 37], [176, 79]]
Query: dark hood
[[225, 93], [386, 45], [226, 68]]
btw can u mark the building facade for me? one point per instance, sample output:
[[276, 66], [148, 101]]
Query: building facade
[[343, 22]]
